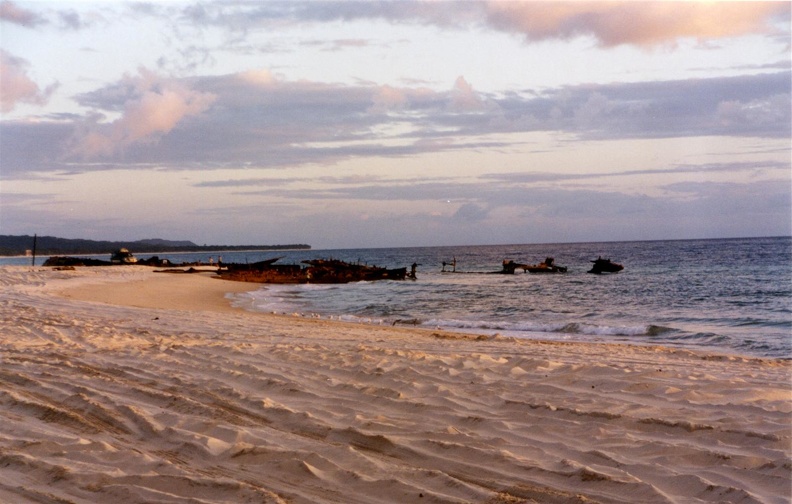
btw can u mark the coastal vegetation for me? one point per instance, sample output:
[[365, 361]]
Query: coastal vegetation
[[49, 245]]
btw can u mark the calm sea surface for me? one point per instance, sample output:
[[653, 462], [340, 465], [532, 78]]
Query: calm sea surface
[[731, 296]]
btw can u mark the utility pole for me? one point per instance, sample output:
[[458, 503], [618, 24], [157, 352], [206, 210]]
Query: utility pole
[[34, 250]]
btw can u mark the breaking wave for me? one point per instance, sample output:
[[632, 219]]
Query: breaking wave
[[673, 293]]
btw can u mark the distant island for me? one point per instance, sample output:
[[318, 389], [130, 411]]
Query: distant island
[[50, 245]]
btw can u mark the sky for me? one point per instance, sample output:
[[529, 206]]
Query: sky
[[356, 124]]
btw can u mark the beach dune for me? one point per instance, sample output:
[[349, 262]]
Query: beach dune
[[121, 385]]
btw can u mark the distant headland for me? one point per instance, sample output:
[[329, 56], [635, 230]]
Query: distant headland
[[49, 245]]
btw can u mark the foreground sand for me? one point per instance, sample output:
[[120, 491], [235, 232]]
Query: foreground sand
[[168, 395]]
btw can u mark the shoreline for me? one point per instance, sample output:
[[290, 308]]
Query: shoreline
[[188, 398], [204, 291]]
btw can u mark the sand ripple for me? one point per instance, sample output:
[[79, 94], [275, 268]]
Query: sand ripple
[[109, 404]]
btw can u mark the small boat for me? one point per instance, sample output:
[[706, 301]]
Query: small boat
[[548, 266], [605, 266], [122, 256]]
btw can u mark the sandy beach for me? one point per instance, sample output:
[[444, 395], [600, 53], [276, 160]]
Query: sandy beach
[[122, 385]]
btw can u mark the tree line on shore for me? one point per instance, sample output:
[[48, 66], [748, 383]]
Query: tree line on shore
[[11, 245]]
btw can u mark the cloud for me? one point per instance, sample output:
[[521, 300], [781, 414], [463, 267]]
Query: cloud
[[249, 182], [493, 212], [470, 212], [262, 77], [463, 98], [638, 23], [257, 119], [12, 13], [388, 98], [340, 44], [758, 113], [16, 86], [30, 147], [71, 20], [658, 109], [543, 177], [610, 23], [152, 108]]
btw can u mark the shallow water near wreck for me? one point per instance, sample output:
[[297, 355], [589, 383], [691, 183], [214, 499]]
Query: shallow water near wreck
[[732, 296]]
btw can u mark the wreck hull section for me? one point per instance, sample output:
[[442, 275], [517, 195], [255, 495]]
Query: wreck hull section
[[317, 272]]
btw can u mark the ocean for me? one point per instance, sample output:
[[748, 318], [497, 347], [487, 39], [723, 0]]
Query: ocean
[[727, 295]]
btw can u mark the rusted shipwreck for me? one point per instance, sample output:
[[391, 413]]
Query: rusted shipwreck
[[547, 266], [510, 267], [317, 271], [118, 257], [605, 266]]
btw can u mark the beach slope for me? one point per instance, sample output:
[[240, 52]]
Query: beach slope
[[124, 385]]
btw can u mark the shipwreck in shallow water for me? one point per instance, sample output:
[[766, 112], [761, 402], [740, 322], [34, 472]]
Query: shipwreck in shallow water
[[547, 266], [605, 266], [319, 271]]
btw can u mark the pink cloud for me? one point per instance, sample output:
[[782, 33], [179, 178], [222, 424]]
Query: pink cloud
[[387, 98], [16, 86], [158, 106], [261, 77], [158, 112], [464, 98], [639, 23]]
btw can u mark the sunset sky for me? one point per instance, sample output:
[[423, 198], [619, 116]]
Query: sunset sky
[[399, 123]]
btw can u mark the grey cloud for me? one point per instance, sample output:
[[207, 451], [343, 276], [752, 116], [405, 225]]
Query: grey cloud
[[661, 24], [536, 177], [506, 212], [110, 99], [72, 20], [249, 182], [267, 122], [257, 120], [67, 19], [774, 194], [262, 14], [328, 179], [12, 199], [703, 209], [711, 203], [12, 13], [470, 212], [764, 207], [659, 109], [445, 189], [28, 147]]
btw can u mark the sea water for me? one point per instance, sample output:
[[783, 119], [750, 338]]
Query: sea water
[[732, 296], [729, 296]]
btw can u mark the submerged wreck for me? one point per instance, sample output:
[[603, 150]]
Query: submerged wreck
[[119, 257], [547, 266], [318, 271], [605, 266], [509, 267]]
